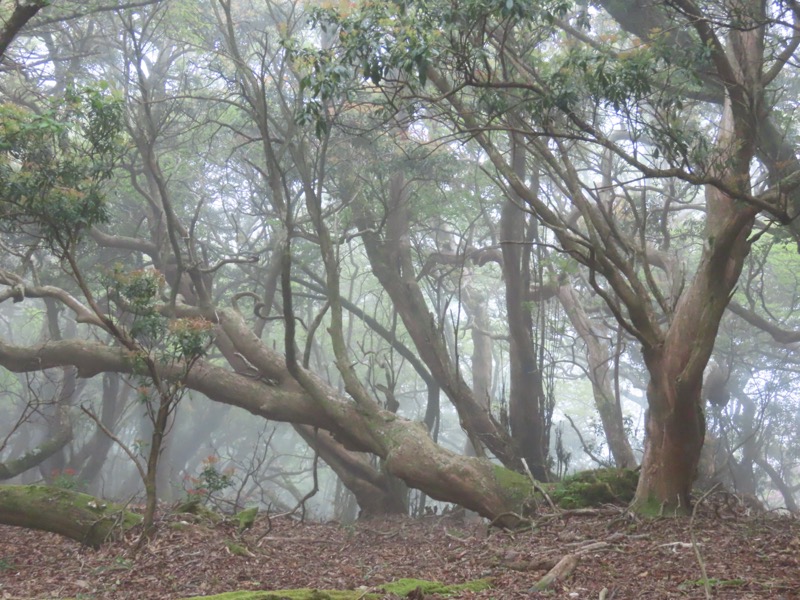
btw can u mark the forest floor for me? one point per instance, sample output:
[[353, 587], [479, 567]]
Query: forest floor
[[744, 556]]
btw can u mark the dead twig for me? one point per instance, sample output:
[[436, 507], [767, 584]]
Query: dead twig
[[696, 546], [538, 487], [517, 518]]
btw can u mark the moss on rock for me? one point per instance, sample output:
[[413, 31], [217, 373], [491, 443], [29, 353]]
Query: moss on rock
[[196, 508]]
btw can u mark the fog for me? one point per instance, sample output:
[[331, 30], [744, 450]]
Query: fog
[[252, 264]]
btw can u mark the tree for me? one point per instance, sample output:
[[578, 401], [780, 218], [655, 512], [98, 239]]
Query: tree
[[19, 17], [620, 99], [595, 150]]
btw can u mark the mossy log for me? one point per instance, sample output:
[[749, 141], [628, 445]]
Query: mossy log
[[77, 516]]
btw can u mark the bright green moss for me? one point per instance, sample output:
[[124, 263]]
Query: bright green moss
[[401, 587], [516, 486], [246, 518], [299, 594], [593, 488], [652, 507]]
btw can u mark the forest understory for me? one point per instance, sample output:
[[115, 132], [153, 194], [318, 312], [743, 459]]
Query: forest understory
[[618, 556]]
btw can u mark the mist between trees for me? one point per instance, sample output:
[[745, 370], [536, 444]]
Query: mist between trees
[[365, 257]]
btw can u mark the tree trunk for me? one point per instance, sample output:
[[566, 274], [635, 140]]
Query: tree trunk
[[92, 456], [390, 258], [59, 434], [79, 517], [675, 429], [599, 362], [34, 457], [376, 493], [675, 424], [405, 446], [675, 420], [526, 398], [780, 483]]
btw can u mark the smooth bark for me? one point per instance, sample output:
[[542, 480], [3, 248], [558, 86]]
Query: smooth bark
[[600, 375], [526, 403], [405, 446]]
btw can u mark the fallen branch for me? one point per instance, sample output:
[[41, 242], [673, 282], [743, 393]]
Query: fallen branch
[[561, 571], [80, 517], [592, 547]]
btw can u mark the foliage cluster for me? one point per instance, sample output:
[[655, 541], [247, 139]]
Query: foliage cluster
[[54, 164]]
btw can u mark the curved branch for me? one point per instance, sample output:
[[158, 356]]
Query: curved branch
[[124, 243], [23, 12], [782, 336], [82, 313]]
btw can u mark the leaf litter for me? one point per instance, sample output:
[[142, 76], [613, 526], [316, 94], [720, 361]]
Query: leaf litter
[[612, 555]]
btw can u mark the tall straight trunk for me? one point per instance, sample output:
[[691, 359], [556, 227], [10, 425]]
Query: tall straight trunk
[[481, 359], [526, 394], [92, 456]]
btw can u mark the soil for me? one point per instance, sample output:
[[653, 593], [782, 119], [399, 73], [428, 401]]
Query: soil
[[744, 555]]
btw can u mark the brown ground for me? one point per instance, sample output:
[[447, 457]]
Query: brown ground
[[745, 557]]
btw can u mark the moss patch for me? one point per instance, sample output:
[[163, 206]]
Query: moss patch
[[713, 583], [299, 594], [593, 488], [80, 517], [401, 587], [238, 549], [196, 508], [516, 486], [652, 507], [246, 518]]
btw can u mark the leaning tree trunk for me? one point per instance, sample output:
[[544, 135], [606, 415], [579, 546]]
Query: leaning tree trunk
[[79, 517], [376, 492], [405, 446], [599, 363], [391, 262]]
